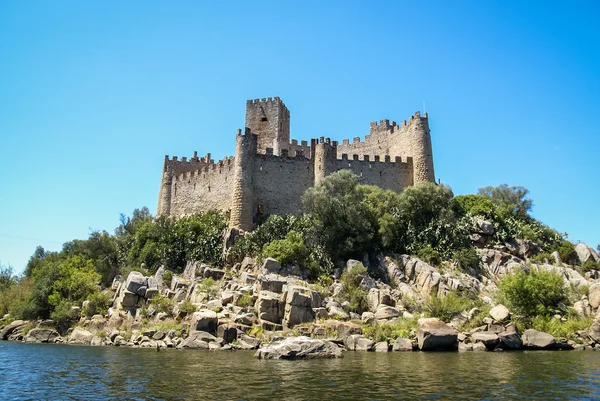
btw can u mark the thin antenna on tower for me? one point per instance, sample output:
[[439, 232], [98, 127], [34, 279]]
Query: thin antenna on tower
[[424, 111]]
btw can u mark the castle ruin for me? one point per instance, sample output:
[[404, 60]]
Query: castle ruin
[[269, 172]]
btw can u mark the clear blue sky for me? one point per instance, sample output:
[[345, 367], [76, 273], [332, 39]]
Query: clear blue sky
[[93, 95]]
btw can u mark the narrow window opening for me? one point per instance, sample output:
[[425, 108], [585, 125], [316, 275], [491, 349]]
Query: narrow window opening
[[259, 209], [263, 119]]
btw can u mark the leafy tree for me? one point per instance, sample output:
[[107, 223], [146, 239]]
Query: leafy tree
[[101, 248], [345, 223], [512, 200], [6, 277]]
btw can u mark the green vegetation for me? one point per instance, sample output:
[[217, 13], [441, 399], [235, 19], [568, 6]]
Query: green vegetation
[[187, 307], [447, 307], [290, 250], [209, 286], [245, 301], [351, 291], [539, 293], [390, 331], [98, 303]]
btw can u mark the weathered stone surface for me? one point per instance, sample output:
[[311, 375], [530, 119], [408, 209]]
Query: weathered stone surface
[[270, 265], [298, 306], [135, 280], [80, 336], [510, 340], [215, 274], [377, 297], [204, 320], [533, 339], [478, 347], [364, 344], [385, 312], [228, 332], [247, 342], [584, 253], [299, 348], [272, 282], [487, 338], [270, 307], [128, 299], [434, 335], [594, 295], [8, 329], [499, 313], [382, 347], [41, 336], [402, 345]]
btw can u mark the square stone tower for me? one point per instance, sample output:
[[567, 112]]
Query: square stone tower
[[269, 119]]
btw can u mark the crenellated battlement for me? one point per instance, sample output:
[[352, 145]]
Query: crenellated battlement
[[264, 100]]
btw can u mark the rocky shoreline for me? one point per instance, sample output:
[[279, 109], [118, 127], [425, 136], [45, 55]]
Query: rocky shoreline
[[272, 309]]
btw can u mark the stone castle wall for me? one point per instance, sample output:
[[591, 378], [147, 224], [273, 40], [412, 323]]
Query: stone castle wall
[[270, 172]]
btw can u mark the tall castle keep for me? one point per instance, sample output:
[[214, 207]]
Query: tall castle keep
[[269, 172]]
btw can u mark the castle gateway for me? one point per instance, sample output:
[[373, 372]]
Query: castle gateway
[[269, 172]]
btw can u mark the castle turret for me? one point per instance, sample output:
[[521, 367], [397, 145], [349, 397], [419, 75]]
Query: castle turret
[[269, 119], [164, 193], [418, 139], [324, 154], [242, 202]]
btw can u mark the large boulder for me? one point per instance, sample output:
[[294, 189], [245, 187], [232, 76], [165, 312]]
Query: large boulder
[[299, 348], [10, 328], [533, 339], [382, 346], [270, 265], [271, 282], [499, 313], [435, 335], [385, 312], [510, 340], [298, 306], [585, 253], [487, 338], [135, 281], [594, 295], [376, 297], [402, 345], [41, 336], [269, 307], [204, 320], [80, 336]]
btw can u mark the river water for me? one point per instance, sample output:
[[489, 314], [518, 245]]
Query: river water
[[61, 372]]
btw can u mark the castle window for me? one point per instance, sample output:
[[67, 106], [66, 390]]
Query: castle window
[[259, 209], [261, 167], [209, 188], [194, 186], [263, 119]]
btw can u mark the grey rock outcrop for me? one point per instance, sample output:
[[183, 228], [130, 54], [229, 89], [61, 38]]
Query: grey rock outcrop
[[80, 336], [299, 348], [435, 335], [533, 339], [41, 336]]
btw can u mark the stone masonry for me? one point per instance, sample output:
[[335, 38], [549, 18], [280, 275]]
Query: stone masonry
[[269, 172]]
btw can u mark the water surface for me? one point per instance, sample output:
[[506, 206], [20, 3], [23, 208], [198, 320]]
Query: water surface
[[60, 372]]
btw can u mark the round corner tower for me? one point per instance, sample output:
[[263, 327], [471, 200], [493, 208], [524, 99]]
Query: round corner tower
[[419, 137], [242, 202]]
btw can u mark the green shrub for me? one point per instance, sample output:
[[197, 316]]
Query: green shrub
[[558, 328], [538, 293], [467, 259], [163, 304], [167, 278], [476, 205], [290, 250], [351, 290], [208, 285], [62, 315], [401, 328], [446, 307], [566, 250], [429, 255], [245, 301], [98, 304], [187, 307], [590, 264]]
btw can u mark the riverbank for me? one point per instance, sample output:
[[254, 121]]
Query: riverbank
[[252, 305]]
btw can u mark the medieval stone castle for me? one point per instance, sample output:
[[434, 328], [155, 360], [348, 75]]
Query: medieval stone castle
[[269, 172]]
